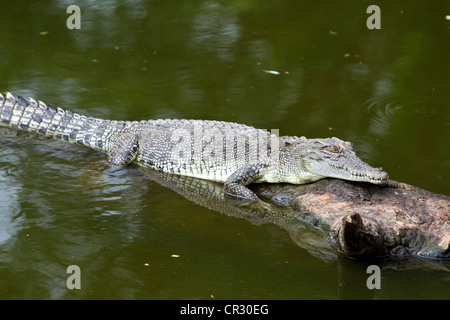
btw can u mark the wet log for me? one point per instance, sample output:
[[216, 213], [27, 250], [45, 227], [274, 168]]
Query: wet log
[[367, 220], [333, 217]]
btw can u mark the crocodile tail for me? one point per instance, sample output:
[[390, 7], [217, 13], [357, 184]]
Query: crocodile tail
[[38, 118]]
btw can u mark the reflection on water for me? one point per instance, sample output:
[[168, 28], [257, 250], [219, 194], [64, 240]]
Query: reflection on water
[[8, 207], [215, 29], [101, 22], [50, 216], [211, 195]]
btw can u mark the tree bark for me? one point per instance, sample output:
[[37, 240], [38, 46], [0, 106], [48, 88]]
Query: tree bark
[[368, 220]]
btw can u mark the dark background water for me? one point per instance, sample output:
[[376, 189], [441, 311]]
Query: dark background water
[[386, 90]]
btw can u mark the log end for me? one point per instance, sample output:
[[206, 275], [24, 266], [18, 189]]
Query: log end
[[360, 237]]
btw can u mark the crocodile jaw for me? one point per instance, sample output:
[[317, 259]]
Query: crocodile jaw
[[335, 158], [372, 175], [375, 175]]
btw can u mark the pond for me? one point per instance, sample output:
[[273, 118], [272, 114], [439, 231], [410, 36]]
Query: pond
[[306, 68]]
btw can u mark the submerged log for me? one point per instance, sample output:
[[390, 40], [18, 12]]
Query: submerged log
[[332, 217]]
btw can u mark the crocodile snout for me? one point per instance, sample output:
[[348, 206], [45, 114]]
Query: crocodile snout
[[381, 174]]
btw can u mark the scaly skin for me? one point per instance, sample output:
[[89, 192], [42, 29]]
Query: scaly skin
[[227, 152]]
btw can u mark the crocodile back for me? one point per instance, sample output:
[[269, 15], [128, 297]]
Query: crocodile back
[[205, 149]]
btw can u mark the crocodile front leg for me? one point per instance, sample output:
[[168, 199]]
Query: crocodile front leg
[[236, 184]]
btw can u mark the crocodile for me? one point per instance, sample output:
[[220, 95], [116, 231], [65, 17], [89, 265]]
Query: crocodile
[[234, 154]]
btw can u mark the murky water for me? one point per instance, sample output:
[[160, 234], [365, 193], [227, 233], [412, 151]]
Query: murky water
[[305, 68]]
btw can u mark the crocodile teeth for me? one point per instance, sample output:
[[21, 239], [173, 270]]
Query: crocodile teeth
[[356, 176]]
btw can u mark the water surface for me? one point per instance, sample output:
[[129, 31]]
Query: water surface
[[302, 67]]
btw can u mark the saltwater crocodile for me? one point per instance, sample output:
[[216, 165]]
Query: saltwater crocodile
[[232, 153]]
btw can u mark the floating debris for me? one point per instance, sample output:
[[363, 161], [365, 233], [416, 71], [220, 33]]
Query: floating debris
[[272, 72], [175, 255]]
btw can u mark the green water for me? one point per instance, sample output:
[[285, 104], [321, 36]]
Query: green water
[[386, 90]]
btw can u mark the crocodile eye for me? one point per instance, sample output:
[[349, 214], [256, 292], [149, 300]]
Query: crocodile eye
[[333, 148]]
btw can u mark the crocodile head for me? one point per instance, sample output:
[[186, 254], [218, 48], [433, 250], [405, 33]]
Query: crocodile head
[[334, 158]]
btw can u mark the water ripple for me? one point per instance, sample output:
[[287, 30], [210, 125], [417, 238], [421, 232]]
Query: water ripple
[[385, 109]]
